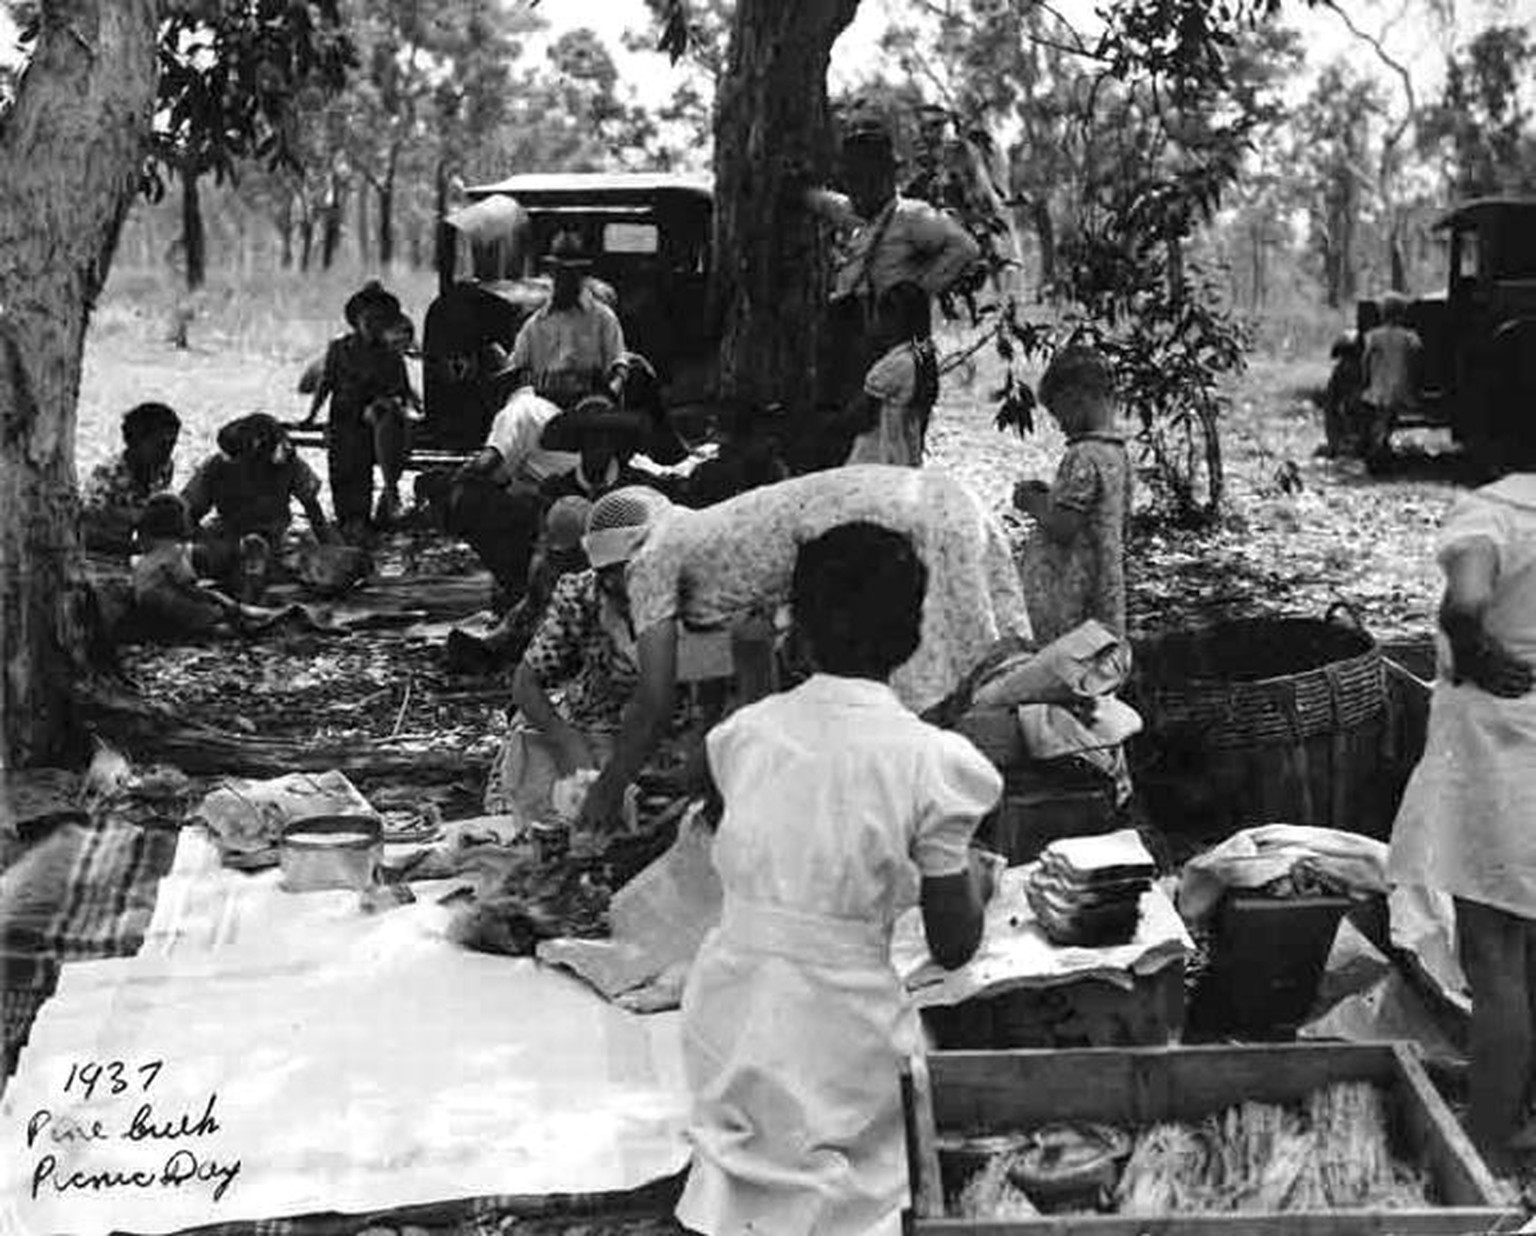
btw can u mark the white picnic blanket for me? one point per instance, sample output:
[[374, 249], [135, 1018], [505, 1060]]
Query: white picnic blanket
[[1015, 952], [312, 1058]]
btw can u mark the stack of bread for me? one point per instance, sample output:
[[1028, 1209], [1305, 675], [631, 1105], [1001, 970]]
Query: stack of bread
[[1087, 891]]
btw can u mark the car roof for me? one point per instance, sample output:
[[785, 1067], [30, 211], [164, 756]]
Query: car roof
[[1479, 209], [598, 188]]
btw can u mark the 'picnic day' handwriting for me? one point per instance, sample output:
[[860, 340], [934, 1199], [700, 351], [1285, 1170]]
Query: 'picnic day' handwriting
[[147, 1125]]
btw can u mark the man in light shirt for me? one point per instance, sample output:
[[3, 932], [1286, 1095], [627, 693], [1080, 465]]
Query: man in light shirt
[[568, 349], [894, 240]]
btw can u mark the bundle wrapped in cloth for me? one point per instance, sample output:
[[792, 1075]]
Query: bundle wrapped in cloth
[[1087, 891], [1009, 718]]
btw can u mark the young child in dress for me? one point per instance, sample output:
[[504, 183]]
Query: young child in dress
[[901, 387], [1074, 566], [841, 810], [168, 601]]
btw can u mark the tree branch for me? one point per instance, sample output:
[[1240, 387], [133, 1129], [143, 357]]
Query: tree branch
[[1390, 61]]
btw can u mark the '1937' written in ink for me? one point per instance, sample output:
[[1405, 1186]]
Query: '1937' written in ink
[[146, 1125]]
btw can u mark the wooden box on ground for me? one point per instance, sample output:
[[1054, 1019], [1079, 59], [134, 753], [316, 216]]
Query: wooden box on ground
[[993, 1092], [1090, 1012]]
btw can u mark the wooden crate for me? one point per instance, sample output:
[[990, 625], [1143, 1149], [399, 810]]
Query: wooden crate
[[970, 1093], [1090, 1012]]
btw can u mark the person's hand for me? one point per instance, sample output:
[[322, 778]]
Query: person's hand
[[1031, 496], [602, 811], [1490, 666]]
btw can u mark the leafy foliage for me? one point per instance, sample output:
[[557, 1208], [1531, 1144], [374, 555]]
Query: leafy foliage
[[232, 73], [1484, 123], [1132, 139]]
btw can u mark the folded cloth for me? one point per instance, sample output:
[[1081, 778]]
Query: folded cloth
[[1258, 856], [1052, 732], [1088, 660]]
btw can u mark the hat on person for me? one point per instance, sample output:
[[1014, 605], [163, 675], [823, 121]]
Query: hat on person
[[620, 522], [567, 250], [371, 298], [258, 431], [566, 523], [596, 414]]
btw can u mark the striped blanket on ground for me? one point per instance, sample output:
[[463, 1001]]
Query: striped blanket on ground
[[88, 891], [82, 891]]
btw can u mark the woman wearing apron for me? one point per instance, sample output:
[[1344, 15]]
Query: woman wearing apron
[[842, 810], [1465, 826]]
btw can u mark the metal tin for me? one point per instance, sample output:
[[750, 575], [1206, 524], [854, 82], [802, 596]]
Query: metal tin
[[331, 851]]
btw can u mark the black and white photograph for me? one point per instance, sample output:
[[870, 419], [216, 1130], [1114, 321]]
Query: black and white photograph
[[767, 617]]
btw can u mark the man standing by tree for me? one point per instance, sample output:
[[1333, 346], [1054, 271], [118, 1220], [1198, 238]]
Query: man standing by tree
[[896, 240]]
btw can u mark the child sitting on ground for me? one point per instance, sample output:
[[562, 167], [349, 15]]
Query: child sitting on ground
[[1074, 566], [169, 603], [901, 387]]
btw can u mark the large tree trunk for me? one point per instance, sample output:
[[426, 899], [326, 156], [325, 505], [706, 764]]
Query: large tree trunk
[[772, 141], [194, 236], [71, 147]]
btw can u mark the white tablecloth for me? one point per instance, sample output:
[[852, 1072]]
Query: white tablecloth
[[1015, 952], [315, 1059]]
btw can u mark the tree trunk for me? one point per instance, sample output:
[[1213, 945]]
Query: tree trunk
[[285, 233], [72, 147], [1045, 238], [194, 236], [387, 222], [772, 141], [443, 238], [362, 227], [330, 223]]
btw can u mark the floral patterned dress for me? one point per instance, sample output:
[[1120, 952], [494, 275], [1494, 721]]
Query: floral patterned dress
[[709, 567], [1069, 582]]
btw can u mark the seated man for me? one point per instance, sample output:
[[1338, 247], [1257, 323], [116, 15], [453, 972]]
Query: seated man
[[569, 349], [250, 484], [118, 489], [572, 346]]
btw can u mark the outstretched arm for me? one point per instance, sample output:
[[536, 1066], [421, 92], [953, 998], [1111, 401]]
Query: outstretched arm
[[644, 726]]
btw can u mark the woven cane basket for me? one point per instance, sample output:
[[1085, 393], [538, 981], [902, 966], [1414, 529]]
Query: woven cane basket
[[1262, 681], [1263, 720]]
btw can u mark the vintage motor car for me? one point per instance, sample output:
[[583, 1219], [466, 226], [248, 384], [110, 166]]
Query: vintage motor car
[[649, 237], [1478, 366]]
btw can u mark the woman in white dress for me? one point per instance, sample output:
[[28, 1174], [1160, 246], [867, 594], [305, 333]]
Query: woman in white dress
[[1467, 824], [842, 810]]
